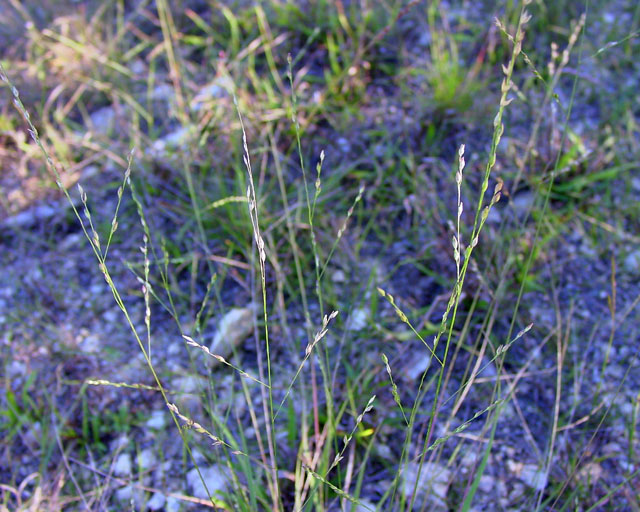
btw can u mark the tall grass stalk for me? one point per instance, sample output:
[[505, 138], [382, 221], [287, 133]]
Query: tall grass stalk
[[453, 303], [102, 263], [262, 257]]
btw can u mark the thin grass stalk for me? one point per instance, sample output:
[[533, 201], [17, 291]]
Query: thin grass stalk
[[527, 266], [560, 354], [480, 218], [324, 365], [586, 450], [314, 385], [259, 241], [168, 28], [102, 264], [303, 295]]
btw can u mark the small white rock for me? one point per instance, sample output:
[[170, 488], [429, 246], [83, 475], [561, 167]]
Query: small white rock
[[632, 262], [122, 467], [173, 504], [138, 67], [30, 216], [533, 477], [487, 483], [590, 472], [233, 329], [363, 506], [158, 420], [434, 479], [146, 459], [124, 493], [119, 443], [358, 319], [418, 365], [344, 145], [162, 92], [103, 120], [157, 501], [522, 203], [198, 457], [213, 476], [111, 316], [495, 217], [91, 344], [16, 369], [337, 276]]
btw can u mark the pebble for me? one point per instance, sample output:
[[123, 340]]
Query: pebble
[[157, 501], [487, 483], [175, 140], [158, 420], [103, 120], [590, 472], [522, 203], [146, 459], [632, 262], [338, 276], [173, 505], [418, 365], [119, 443], [137, 67], [30, 217], [213, 476], [91, 344], [233, 329], [111, 316], [363, 506], [358, 319], [190, 387], [433, 477], [122, 467], [130, 495], [495, 217], [15, 370], [124, 493], [343, 144], [162, 92], [530, 474]]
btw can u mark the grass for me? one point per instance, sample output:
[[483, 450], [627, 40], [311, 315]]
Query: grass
[[426, 215]]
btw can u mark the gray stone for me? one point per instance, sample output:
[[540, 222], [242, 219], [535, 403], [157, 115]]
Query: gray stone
[[158, 420], [173, 504], [146, 459], [157, 501], [122, 467], [433, 483], [337, 276], [124, 493], [358, 319], [189, 388], [522, 203], [91, 344], [632, 262], [214, 477], [16, 369], [233, 329], [103, 120], [30, 217], [363, 506], [119, 443], [531, 475], [418, 365], [162, 92]]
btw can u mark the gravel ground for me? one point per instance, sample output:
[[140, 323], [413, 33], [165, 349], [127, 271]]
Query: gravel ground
[[60, 326]]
